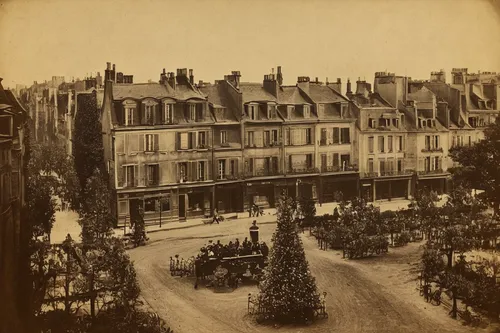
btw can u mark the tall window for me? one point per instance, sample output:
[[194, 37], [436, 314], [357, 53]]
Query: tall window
[[267, 138], [372, 123], [427, 142], [323, 137], [222, 169], [400, 165], [370, 165], [309, 161], [389, 143], [250, 138], [308, 136], [223, 137], [130, 175], [371, 144], [381, 144], [233, 167], [151, 143], [129, 116], [400, 143], [202, 139], [437, 165], [344, 136], [271, 111], [168, 113], [436, 142], [153, 173], [274, 136], [201, 170], [382, 168]]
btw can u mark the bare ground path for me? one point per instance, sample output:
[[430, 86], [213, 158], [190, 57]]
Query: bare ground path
[[373, 295]]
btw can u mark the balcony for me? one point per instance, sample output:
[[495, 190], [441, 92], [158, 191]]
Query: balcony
[[336, 168], [235, 176], [296, 171], [387, 173], [129, 183], [272, 144], [432, 150], [262, 173], [153, 182], [431, 172]]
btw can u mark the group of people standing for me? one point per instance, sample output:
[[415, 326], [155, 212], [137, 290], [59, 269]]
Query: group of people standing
[[232, 249]]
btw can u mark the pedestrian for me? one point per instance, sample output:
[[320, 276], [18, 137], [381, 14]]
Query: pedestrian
[[216, 216]]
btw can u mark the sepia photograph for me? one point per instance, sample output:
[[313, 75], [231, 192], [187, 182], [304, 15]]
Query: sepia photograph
[[232, 166]]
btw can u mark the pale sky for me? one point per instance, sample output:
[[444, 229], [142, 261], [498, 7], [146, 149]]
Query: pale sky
[[316, 38]]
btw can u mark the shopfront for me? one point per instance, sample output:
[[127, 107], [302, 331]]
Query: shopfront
[[229, 197], [332, 185]]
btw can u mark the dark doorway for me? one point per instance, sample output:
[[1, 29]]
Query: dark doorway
[[182, 206]]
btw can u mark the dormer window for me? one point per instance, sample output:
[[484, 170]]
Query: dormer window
[[168, 113], [372, 123], [192, 112], [307, 111], [129, 116], [252, 112], [149, 114], [271, 111], [343, 110], [395, 122], [289, 111]]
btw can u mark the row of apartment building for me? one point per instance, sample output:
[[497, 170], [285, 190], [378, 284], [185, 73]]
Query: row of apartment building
[[185, 148], [12, 231]]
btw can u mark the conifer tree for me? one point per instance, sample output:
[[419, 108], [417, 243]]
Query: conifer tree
[[137, 221], [288, 292]]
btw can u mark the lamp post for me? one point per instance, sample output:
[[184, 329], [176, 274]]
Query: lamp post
[[297, 189]]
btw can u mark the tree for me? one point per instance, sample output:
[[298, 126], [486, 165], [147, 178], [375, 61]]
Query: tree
[[425, 209], [96, 219], [307, 211], [137, 221], [88, 149], [480, 165], [288, 292]]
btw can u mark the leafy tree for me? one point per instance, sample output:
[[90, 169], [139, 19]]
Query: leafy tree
[[96, 219], [88, 149], [432, 264], [288, 292], [479, 165], [425, 209], [137, 221]]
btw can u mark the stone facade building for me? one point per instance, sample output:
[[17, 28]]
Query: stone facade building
[[12, 230], [186, 148]]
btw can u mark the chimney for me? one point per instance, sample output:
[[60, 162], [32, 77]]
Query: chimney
[[337, 86], [349, 91], [270, 84], [303, 83], [280, 76], [317, 79], [171, 80], [163, 77], [236, 79], [326, 80], [191, 77]]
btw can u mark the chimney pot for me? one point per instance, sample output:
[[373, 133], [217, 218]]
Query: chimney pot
[[108, 65], [113, 66], [164, 71], [190, 72], [339, 80]]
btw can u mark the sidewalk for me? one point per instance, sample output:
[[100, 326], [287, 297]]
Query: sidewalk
[[268, 217]]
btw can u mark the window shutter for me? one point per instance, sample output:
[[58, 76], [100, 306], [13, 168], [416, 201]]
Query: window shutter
[[158, 113], [258, 139], [121, 176], [156, 142], [235, 167], [143, 113], [199, 111], [335, 159], [142, 138], [186, 111], [183, 140], [335, 135], [347, 135]]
